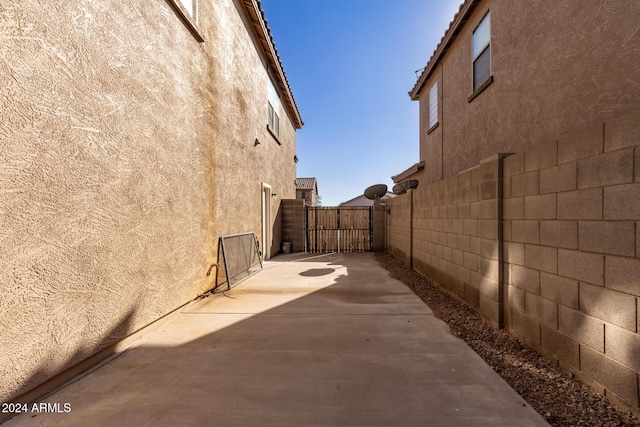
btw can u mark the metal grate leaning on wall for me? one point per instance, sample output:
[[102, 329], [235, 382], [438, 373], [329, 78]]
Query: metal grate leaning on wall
[[240, 258]]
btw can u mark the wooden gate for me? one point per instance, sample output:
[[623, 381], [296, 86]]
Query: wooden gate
[[339, 229]]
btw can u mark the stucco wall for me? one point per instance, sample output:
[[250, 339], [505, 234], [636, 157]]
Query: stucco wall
[[431, 140], [557, 68], [248, 154], [570, 252], [126, 149]]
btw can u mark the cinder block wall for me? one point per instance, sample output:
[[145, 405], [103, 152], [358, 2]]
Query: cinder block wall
[[455, 235], [379, 228], [398, 227], [571, 254], [293, 223], [571, 210]]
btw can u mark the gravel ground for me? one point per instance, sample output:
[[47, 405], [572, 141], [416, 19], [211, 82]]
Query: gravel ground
[[557, 395]]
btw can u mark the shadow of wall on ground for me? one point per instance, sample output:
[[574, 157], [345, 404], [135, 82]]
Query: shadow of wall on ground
[[45, 379], [278, 368]]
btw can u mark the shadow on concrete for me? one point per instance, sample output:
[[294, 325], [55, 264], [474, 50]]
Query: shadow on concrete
[[317, 272], [349, 347], [47, 377]]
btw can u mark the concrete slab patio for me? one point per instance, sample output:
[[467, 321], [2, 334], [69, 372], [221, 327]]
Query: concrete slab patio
[[309, 341]]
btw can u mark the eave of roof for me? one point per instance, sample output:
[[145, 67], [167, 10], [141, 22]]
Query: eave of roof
[[459, 19], [256, 14], [409, 171]]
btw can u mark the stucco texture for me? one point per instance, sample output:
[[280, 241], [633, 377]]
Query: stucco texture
[[126, 149], [557, 69], [249, 155]]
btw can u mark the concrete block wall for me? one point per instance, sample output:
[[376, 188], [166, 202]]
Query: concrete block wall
[[572, 254], [398, 227], [455, 235], [379, 228], [293, 223], [566, 255]]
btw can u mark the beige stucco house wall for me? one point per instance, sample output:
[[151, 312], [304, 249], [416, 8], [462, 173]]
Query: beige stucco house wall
[[556, 69], [307, 190], [127, 147]]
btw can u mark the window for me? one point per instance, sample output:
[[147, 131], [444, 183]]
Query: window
[[190, 7], [273, 119], [187, 11], [482, 52], [433, 105]]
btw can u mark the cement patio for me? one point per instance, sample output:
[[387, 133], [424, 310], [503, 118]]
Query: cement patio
[[309, 341]]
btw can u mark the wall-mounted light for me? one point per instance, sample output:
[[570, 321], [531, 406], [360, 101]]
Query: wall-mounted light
[[273, 194], [295, 158], [256, 142]]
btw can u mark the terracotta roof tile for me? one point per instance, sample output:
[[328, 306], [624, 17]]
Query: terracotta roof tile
[[256, 13], [306, 183]]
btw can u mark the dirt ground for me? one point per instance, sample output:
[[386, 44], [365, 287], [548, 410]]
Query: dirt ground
[[557, 395]]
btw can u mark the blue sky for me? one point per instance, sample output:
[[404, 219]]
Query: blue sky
[[350, 65]]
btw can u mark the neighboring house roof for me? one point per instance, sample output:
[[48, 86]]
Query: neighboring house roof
[[256, 15], [306, 184], [361, 200], [407, 172], [459, 19]]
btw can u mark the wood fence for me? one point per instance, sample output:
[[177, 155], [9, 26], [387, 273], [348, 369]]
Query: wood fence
[[339, 229]]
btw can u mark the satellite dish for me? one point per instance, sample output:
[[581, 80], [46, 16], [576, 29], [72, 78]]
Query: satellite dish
[[375, 191], [402, 187]]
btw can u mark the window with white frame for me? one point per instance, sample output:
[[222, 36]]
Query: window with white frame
[[433, 105], [190, 7], [187, 11], [273, 119], [482, 52]]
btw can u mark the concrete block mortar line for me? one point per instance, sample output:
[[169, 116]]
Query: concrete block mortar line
[[576, 179], [579, 293], [601, 207], [604, 137], [633, 164]]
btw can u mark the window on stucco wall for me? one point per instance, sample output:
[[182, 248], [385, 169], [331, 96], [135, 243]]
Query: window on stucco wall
[[190, 7], [482, 52], [273, 118], [433, 106], [187, 10]]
